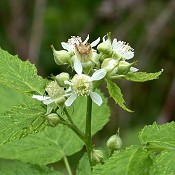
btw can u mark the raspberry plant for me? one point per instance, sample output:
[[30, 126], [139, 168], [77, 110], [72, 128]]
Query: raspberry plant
[[44, 121]]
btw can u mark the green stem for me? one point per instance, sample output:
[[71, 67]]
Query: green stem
[[67, 165], [88, 136]]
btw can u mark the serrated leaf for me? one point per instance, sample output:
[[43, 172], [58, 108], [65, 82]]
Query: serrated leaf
[[53, 143], [18, 168], [142, 76], [10, 97], [132, 161], [19, 75], [21, 120], [158, 137], [84, 166], [116, 94], [164, 164]]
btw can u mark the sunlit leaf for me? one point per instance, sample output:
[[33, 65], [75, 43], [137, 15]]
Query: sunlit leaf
[[132, 161], [142, 76], [117, 95], [20, 75]]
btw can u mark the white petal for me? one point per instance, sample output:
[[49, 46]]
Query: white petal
[[66, 46], [98, 75], [86, 40], [133, 69], [71, 99], [68, 82], [115, 44], [128, 55], [40, 97], [104, 38], [94, 43], [48, 101], [96, 98], [77, 66]]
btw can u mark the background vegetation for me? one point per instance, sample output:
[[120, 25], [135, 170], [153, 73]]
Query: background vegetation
[[28, 28]]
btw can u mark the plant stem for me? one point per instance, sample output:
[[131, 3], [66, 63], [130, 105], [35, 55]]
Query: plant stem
[[88, 138], [67, 165]]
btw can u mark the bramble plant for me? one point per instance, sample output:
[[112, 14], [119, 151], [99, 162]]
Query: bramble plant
[[44, 121]]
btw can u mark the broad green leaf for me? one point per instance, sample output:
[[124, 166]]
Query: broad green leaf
[[142, 76], [164, 164], [8, 167], [53, 143], [158, 137], [19, 75], [84, 166], [116, 94], [21, 120], [132, 161], [10, 97]]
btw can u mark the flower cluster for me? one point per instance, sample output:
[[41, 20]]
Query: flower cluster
[[108, 60]]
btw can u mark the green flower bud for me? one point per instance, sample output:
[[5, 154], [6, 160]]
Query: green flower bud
[[114, 142], [61, 57], [97, 157], [60, 78], [123, 67], [105, 47], [60, 101], [52, 119], [110, 65]]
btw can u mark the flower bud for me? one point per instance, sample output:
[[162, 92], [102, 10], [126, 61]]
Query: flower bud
[[110, 65], [96, 156], [123, 67], [105, 47], [61, 57], [60, 78], [52, 119], [60, 101], [114, 142]]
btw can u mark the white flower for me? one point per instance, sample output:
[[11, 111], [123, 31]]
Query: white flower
[[82, 85], [122, 49], [82, 50]]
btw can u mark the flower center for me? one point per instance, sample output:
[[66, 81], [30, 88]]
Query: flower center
[[81, 84], [84, 51]]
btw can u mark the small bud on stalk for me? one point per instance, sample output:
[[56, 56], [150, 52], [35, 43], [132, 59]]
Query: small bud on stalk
[[52, 119], [60, 78], [96, 156], [114, 142]]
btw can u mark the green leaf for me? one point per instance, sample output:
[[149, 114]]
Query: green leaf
[[132, 161], [18, 168], [164, 164], [21, 120], [116, 94], [10, 97], [142, 76], [158, 137], [19, 75], [84, 166], [53, 143]]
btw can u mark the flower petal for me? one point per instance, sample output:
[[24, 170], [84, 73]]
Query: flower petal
[[133, 69], [128, 55], [66, 46], [77, 66], [98, 75], [94, 43], [115, 44], [96, 98], [86, 40], [71, 99], [40, 97], [48, 101]]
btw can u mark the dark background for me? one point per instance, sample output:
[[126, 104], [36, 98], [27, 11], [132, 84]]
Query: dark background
[[28, 28]]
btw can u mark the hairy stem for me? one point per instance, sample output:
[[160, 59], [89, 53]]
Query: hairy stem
[[88, 128]]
